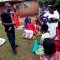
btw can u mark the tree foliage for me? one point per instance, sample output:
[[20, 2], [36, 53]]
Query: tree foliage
[[53, 2]]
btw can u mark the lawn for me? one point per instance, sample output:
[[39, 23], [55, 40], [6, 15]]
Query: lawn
[[23, 51]]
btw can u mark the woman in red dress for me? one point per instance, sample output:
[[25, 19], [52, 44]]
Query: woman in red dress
[[15, 18]]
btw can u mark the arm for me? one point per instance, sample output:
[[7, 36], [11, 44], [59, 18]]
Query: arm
[[8, 23]]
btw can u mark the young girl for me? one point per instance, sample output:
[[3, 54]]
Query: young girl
[[15, 18], [30, 30], [39, 49], [49, 50]]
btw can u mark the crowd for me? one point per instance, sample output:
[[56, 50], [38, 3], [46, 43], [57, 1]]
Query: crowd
[[47, 26]]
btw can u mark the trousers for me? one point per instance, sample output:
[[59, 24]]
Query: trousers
[[11, 38]]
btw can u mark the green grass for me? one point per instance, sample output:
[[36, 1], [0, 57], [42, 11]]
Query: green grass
[[23, 51]]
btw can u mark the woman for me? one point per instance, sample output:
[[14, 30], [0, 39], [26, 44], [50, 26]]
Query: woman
[[38, 48], [30, 30], [53, 17], [15, 19]]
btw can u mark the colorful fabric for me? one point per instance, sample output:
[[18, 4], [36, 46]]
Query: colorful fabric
[[40, 50], [35, 46]]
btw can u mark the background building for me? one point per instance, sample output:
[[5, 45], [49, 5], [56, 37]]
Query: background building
[[24, 7]]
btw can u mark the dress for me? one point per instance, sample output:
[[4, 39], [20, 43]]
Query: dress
[[15, 19]]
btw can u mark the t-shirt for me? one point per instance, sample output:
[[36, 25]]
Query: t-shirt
[[6, 18], [55, 15], [44, 35]]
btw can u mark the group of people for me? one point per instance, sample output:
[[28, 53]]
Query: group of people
[[47, 27]]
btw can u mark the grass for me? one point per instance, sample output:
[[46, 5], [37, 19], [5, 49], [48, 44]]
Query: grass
[[23, 51]]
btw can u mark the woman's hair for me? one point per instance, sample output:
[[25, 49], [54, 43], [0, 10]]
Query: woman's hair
[[44, 28], [49, 46]]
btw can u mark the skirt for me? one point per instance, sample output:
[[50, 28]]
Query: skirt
[[28, 34]]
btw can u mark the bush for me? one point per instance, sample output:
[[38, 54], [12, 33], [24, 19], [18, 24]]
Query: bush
[[56, 3]]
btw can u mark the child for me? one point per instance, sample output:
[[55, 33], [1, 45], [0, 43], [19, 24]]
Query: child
[[49, 50], [45, 32], [44, 35], [15, 18], [30, 30]]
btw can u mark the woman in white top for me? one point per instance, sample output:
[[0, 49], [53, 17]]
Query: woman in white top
[[53, 16]]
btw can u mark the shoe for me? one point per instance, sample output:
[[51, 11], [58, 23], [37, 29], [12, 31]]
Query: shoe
[[14, 52], [16, 45]]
